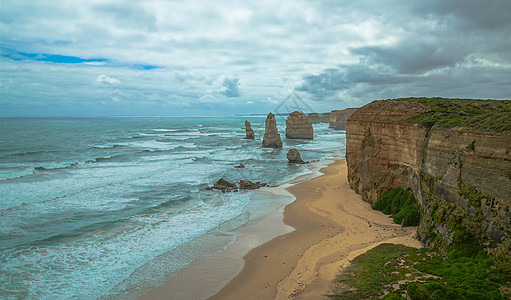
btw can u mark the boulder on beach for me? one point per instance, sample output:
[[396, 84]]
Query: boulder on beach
[[271, 138], [298, 126], [293, 156], [249, 133]]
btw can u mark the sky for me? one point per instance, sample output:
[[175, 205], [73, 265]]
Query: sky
[[214, 58]]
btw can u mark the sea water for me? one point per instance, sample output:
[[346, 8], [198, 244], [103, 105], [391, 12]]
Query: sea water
[[102, 207]]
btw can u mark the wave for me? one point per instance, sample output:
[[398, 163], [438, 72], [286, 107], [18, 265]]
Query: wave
[[45, 169], [165, 130], [109, 146], [102, 158]]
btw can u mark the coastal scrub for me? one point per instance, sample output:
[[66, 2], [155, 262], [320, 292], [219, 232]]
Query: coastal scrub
[[401, 204]]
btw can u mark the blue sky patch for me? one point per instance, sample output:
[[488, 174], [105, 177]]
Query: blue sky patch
[[64, 59]]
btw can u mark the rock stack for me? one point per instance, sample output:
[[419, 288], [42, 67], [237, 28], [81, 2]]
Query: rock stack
[[298, 126], [271, 138], [249, 133], [293, 156]]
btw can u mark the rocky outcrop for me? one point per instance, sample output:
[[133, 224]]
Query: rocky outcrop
[[249, 133], [461, 177], [316, 118], [298, 126], [337, 118], [293, 156], [249, 185], [226, 186], [271, 138]]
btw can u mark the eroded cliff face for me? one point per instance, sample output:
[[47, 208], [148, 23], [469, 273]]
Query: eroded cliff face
[[337, 118], [461, 177]]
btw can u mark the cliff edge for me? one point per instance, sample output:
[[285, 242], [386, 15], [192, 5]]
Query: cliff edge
[[454, 154]]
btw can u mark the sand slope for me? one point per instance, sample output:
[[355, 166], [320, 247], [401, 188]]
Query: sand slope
[[333, 225]]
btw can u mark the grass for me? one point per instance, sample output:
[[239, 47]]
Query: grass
[[401, 204], [392, 271], [481, 115]]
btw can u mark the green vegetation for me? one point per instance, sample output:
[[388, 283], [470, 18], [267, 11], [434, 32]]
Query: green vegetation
[[401, 204], [487, 115], [394, 271]]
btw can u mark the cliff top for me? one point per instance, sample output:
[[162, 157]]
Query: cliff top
[[484, 115]]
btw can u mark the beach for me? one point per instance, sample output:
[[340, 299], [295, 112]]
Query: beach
[[332, 225]]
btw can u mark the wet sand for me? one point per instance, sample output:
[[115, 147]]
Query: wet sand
[[332, 226]]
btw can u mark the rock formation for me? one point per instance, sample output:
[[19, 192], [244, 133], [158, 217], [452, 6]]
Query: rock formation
[[293, 156], [460, 175], [338, 118], [226, 186], [249, 185], [249, 133], [271, 138], [298, 126], [240, 166], [315, 118]]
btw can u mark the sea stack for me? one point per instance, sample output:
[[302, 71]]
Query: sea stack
[[271, 138], [298, 126], [249, 133], [293, 156]]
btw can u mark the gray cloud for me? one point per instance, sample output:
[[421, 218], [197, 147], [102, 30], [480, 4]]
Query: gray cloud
[[334, 53], [231, 89]]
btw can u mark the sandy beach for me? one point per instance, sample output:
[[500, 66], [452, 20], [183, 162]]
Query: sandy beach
[[332, 226]]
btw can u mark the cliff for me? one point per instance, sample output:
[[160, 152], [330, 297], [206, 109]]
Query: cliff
[[338, 118], [315, 118], [455, 155]]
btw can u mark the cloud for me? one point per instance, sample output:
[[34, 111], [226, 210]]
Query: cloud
[[173, 55], [107, 80], [231, 89]]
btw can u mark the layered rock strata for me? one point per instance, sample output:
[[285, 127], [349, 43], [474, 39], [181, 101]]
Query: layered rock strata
[[298, 126], [271, 138], [337, 118], [461, 177], [249, 133], [316, 118]]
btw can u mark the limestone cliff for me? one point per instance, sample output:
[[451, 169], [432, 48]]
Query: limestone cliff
[[298, 126], [337, 118], [454, 154], [316, 118], [271, 138]]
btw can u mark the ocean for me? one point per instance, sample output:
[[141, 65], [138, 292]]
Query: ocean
[[109, 207]]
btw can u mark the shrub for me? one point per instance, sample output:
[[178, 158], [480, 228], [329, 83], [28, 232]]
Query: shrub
[[400, 203]]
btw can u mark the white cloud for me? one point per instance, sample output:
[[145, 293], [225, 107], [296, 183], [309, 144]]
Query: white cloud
[[357, 49], [108, 80]]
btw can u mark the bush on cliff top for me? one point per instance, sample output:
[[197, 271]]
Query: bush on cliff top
[[401, 204], [487, 115], [400, 272]]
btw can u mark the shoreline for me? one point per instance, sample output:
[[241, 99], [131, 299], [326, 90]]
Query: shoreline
[[213, 272], [295, 252]]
